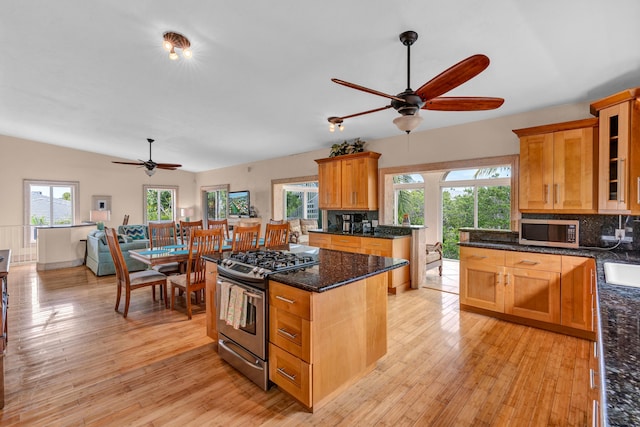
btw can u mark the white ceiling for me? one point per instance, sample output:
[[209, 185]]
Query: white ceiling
[[92, 75]]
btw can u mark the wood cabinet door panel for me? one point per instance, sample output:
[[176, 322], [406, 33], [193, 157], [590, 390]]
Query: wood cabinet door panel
[[481, 286], [576, 292], [536, 172], [330, 185], [533, 294], [614, 162], [574, 170]]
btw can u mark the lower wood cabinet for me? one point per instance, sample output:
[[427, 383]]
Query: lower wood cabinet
[[321, 343], [210, 299], [548, 291], [399, 278]]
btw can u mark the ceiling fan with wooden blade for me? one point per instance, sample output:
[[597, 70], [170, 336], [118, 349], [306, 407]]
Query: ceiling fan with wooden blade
[[150, 165], [428, 96]]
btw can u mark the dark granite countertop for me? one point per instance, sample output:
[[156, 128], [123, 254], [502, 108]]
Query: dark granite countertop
[[619, 331], [377, 235], [337, 268]]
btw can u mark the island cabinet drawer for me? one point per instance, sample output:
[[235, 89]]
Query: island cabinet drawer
[[534, 261], [293, 300], [290, 374], [320, 240], [291, 333], [380, 247]]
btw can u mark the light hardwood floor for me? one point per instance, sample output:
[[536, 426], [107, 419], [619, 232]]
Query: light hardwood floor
[[72, 360]]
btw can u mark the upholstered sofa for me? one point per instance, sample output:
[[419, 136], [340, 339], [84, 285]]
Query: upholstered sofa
[[299, 230], [130, 237]]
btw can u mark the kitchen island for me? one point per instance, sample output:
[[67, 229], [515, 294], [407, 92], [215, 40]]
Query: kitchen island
[[327, 323], [618, 335]]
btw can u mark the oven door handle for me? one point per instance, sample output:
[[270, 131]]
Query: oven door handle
[[254, 364]]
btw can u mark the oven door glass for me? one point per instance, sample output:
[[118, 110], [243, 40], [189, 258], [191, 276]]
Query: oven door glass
[[242, 318]]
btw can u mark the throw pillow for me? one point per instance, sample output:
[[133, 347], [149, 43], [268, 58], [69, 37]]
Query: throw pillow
[[294, 226], [136, 232]]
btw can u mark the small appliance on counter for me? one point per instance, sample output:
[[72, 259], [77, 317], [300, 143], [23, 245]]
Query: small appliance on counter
[[347, 223]]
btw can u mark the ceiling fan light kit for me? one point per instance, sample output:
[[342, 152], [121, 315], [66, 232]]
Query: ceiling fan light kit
[[176, 40], [428, 96]]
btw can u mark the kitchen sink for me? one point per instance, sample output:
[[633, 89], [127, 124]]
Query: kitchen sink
[[622, 274]]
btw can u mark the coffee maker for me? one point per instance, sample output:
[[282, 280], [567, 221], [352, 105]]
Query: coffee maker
[[347, 223]]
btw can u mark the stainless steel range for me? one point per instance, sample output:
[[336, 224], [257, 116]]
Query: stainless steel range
[[242, 306]]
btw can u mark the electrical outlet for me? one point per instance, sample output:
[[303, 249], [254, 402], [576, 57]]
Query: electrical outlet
[[620, 233]]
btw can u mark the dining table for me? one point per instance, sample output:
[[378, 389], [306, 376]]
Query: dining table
[[165, 254]]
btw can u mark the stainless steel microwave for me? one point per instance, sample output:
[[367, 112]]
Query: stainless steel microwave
[[550, 232]]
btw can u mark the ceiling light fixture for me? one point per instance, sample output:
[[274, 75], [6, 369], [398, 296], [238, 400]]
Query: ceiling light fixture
[[333, 121], [176, 40], [408, 122], [150, 172]]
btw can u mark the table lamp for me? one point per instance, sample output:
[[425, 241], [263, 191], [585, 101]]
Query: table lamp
[[99, 216]]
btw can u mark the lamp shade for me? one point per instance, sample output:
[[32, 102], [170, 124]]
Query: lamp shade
[[408, 123], [185, 212], [99, 215]]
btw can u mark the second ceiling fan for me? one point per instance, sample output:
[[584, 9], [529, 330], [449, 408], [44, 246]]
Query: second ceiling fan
[[428, 96], [150, 165]]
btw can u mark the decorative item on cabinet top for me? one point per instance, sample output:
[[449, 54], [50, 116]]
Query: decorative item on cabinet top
[[354, 146]]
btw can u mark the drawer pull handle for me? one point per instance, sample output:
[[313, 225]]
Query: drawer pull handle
[[284, 332], [287, 300], [592, 378], [282, 372], [478, 257], [527, 262]]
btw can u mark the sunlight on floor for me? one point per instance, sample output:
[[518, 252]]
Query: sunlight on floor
[[450, 280]]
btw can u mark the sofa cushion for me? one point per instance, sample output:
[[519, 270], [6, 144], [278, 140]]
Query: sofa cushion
[[136, 232], [308, 224]]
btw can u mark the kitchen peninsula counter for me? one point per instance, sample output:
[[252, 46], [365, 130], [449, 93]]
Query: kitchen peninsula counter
[[618, 332]]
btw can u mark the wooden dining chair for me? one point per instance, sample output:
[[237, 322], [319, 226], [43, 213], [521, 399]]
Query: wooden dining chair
[[245, 238], [201, 242], [185, 229], [219, 223], [276, 235], [164, 234], [130, 281]]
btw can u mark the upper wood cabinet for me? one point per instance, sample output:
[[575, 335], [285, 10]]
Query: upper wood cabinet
[[349, 181], [558, 167], [619, 183]]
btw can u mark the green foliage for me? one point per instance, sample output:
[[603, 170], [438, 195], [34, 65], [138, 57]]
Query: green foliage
[[159, 205], [39, 220], [294, 201], [66, 196], [411, 202], [494, 212], [355, 146]]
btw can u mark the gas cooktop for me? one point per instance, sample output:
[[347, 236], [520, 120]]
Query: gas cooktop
[[256, 265]]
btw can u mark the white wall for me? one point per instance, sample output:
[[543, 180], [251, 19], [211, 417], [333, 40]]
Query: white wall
[[24, 159], [486, 138]]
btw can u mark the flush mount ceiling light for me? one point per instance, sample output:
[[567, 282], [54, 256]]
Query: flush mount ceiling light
[[176, 40]]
